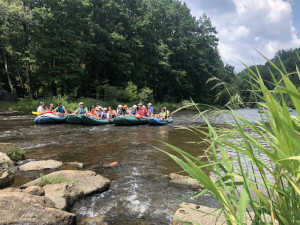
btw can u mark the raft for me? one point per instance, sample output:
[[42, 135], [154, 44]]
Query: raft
[[94, 122], [41, 120], [130, 121], [157, 122], [74, 119]]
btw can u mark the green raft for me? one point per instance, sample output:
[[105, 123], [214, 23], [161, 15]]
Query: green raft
[[130, 121], [94, 122], [74, 119]]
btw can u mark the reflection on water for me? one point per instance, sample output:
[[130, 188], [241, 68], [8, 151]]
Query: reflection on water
[[140, 190]]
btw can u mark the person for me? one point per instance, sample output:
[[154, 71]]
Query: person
[[167, 113], [161, 114], [47, 109], [112, 113], [99, 112], [125, 110], [105, 115], [133, 111], [93, 110], [51, 107], [120, 110], [82, 109], [98, 105], [150, 110], [142, 111], [41, 109], [60, 110]]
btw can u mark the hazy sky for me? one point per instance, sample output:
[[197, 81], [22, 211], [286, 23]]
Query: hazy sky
[[247, 25]]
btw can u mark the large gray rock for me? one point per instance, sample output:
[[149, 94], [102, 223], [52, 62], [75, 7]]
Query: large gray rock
[[78, 185], [7, 171], [40, 165], [185, 181], [24, 208]]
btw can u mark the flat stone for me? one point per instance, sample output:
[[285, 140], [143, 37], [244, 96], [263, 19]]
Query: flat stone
[[7, 171], [24, 208], [185, 181], [35, 190], [40, 165], [79, 184]]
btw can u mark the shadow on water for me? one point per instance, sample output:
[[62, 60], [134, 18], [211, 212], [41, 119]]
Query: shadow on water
[[140, 191]]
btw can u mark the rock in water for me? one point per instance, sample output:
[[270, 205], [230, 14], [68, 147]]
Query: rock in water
[[24, 208], [113, 164], [185, 181], [40, 165], [7, 171], [35, 190], [78, 184]]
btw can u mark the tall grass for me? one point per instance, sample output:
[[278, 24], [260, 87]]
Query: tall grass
[[260, 183]]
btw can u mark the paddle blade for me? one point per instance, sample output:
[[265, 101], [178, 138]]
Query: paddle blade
[[36, 113]]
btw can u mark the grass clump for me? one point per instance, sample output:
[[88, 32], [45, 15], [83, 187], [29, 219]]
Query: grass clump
[[254, 168], [44, 180], [17, 154]]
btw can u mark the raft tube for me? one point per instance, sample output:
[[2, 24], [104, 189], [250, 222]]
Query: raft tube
[[157, 122], [74, 119], [130, 121], [41, 120], [94, 122]]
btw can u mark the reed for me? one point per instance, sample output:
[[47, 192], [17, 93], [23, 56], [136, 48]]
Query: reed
[[260, 183]]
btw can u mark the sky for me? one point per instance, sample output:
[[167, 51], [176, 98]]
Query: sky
[[245, 26]]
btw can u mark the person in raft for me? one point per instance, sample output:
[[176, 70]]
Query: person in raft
[[60, 110], [120, 110], [98, 105], [133, 111], [150, 110], [105, 115], [112, 112], [41, 109], [142, 111], [126, 111], [82, 109], [47, 109]]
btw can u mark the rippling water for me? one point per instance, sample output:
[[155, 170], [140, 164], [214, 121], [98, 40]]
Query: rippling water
[[140, 192]]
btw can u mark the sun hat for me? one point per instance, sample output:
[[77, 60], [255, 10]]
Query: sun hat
[[105, 108], [149, 103], [134, 106], [120, 106], [81, 103], [140, 104]]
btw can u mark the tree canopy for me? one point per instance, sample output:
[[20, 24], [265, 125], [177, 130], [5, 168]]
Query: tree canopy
[[90, 47]]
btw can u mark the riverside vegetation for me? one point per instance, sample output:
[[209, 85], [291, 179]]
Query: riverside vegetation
[[261, 182]]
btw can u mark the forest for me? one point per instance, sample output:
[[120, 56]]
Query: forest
[[104, 48]]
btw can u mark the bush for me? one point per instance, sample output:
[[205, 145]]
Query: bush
[[17, 154], [261, 175], [132, 92], [146, 95]]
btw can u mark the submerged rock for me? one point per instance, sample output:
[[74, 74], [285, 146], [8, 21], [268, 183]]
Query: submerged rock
[[78, 184], [40, 165], [24, 208], [7, 171], [99, 220], [185, 181]]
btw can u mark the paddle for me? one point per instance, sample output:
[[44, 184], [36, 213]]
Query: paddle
[[36, 113]]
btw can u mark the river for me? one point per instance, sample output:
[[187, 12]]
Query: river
[[140, 191]]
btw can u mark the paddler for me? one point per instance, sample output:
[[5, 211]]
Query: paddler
[[41, 108], [150, 110], [82, 109], [60, 110], [142, 111]]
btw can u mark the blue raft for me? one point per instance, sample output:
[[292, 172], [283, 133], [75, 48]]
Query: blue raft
[[157, 122], [41, 120]]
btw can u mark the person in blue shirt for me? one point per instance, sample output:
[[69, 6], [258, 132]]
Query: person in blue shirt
[[60, 110], [150, 110], [82, 109], [133, 110], [119, 110]]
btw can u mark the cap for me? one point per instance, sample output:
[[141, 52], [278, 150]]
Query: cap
[[81, 103], [120, 106], [104, 108], [134, 106], [149, 103]]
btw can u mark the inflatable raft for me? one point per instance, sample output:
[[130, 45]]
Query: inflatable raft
[[94, 122], [41, 120], [74, 119], [130, 121], [157, 122]]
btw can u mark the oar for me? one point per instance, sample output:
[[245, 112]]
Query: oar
[[36, 113]]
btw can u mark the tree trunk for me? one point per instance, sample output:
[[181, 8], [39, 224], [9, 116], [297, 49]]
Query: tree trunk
[[28, 76], [97, 79], [12, 89]]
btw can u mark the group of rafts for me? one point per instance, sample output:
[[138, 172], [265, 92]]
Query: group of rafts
[[87, 120]]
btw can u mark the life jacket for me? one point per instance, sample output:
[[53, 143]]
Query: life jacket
[[133, 111], [48, 111], [120, 112], [82, 110], [93, 111], [60, 109], [105, 115]]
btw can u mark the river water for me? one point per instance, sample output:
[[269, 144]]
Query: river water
[[140, 191]]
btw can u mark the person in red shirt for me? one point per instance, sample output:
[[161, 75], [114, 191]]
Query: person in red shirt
[[142, 111]]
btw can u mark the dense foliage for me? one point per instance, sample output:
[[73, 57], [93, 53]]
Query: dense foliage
[[101, 48]]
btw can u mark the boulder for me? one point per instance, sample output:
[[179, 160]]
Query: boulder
[[196, 214], [185, 181], [40, 165], [7, 171], [24, 208], [35, 190], [78, 184]]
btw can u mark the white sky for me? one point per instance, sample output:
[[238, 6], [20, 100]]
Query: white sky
[[247, 25]]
